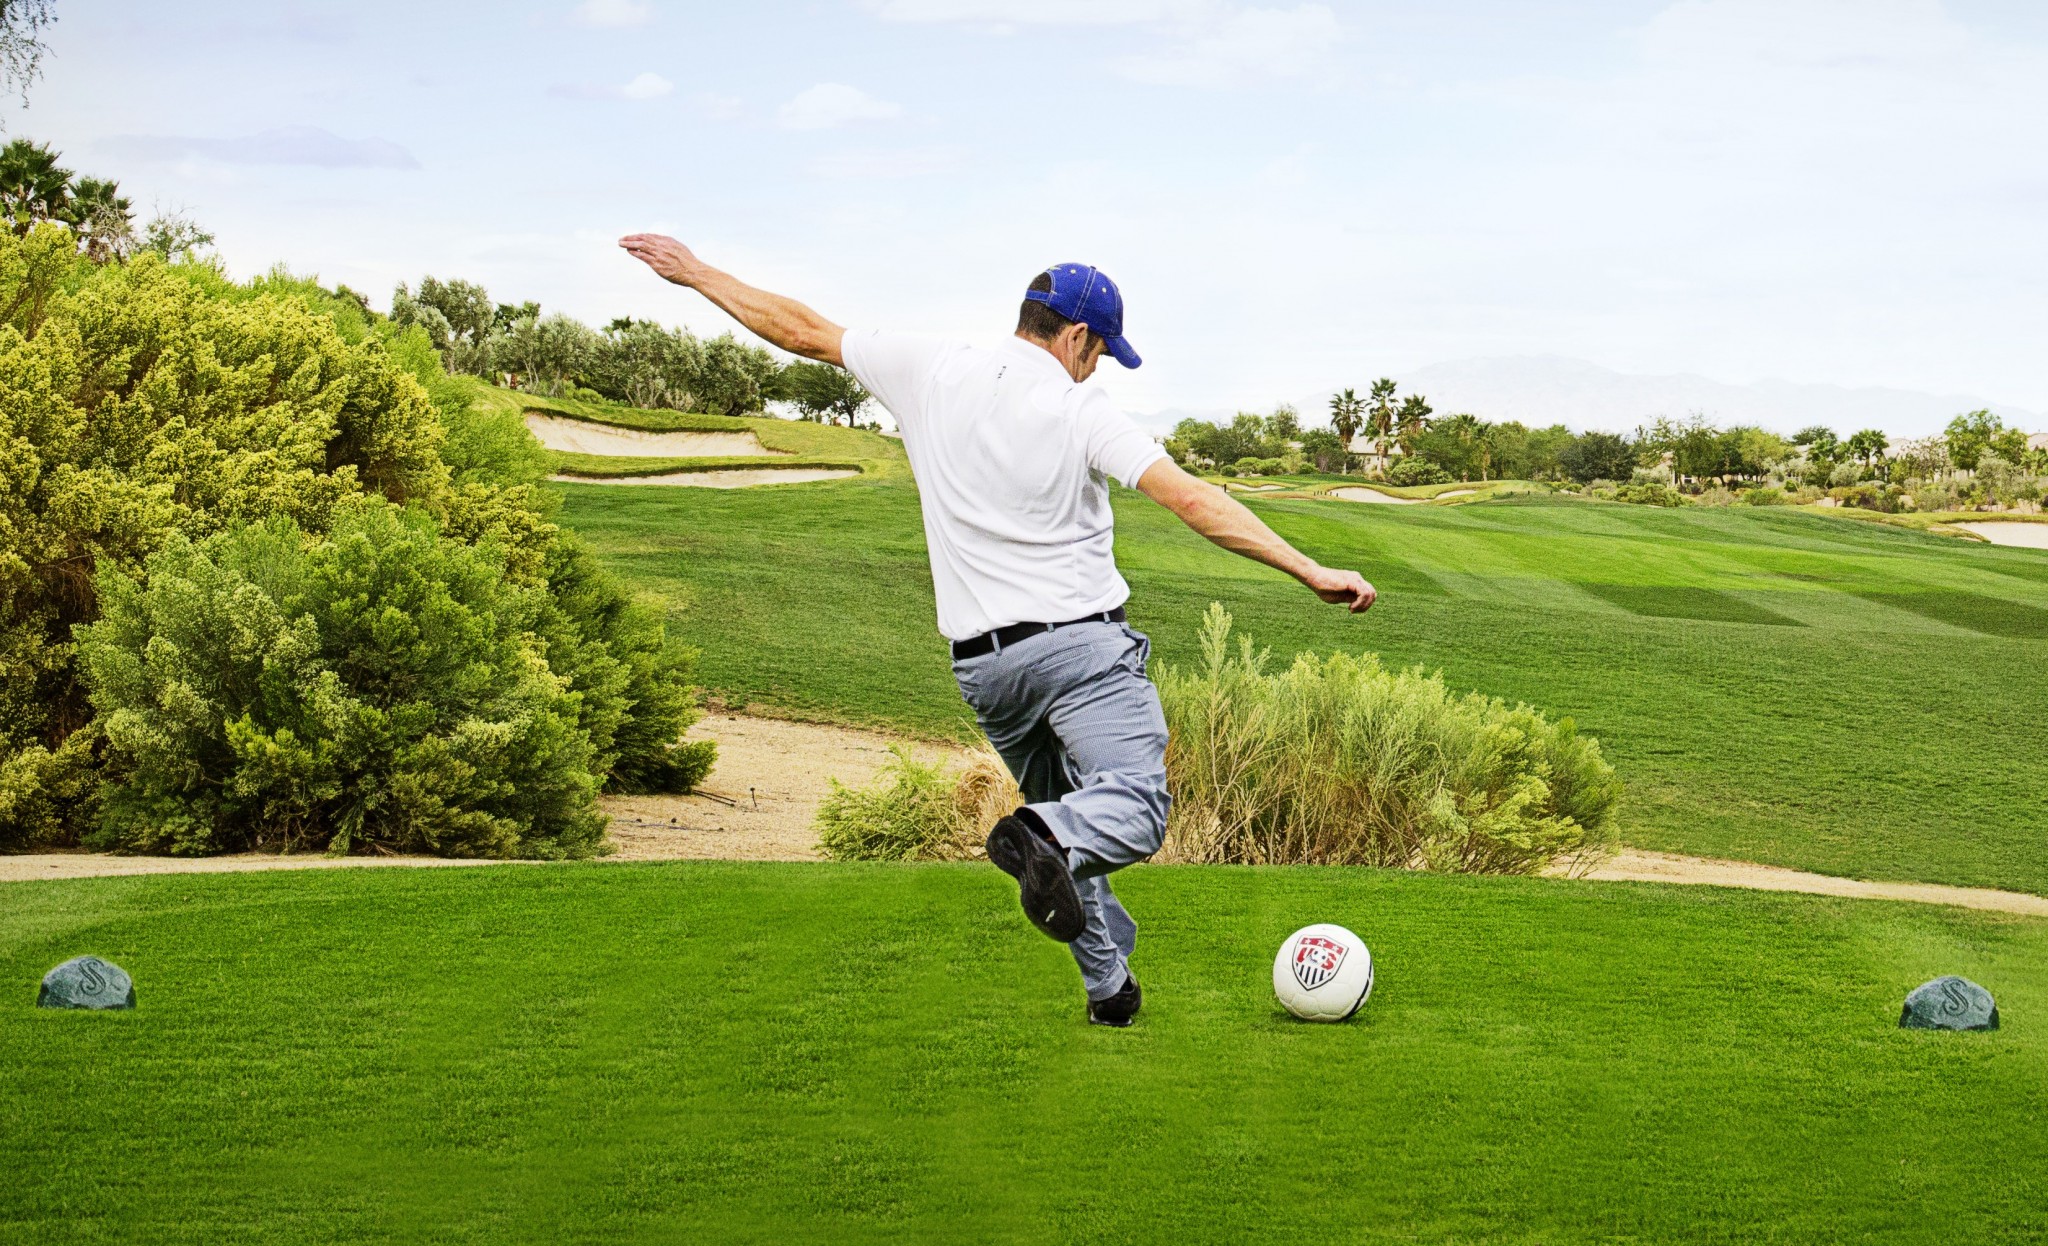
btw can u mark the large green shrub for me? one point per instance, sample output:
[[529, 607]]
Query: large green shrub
[[1337, 760], [1416, 470], [150, 406], [377, 688]]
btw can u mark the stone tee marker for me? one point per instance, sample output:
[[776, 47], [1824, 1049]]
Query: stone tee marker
[[86, 982], [1949, 1003]]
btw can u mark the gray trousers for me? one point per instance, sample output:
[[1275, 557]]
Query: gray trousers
[[1079, 725]]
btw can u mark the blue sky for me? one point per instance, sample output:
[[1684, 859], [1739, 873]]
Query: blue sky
[[1292, 195]]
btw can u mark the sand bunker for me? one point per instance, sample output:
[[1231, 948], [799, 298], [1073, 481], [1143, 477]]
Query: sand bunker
[[583, 437], [1255, 488], [1457, 493], [1353, 494], [721, 478], [2025, 535]]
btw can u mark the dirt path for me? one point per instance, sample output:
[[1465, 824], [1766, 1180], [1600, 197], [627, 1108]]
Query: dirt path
[[771, 774], [584, 437], [1636, 865]]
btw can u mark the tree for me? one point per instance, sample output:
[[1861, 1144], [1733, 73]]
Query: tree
[[1326, 450], [824, 393], [1381, 416], [100, 215], [1283, 427], [1412, 418], [33, 187], [1970, 435], [1925, 458], [1598, 456], [21, 42], [1458, 445], [1867, 445], [174, 235], [1347, 413]]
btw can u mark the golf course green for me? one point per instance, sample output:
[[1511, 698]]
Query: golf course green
[[874, 1053], [1774, 686]]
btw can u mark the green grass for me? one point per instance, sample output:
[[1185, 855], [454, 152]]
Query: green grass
[[1775, 686], [773, 1053]]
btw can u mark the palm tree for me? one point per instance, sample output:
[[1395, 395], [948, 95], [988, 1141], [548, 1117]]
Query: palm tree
[[32, 187], [99, 213], [1380, 417], [1867, 445], [1347, 412], [1412, 419]]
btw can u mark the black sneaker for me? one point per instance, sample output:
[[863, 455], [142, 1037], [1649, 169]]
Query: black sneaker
[[1022, 847], [1119, 1008]]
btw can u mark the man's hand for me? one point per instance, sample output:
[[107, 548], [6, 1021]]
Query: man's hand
[[783, 321], [666, 256], [1343, 588]]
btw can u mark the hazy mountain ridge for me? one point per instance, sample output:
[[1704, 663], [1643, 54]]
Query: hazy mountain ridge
[[1548, 389]]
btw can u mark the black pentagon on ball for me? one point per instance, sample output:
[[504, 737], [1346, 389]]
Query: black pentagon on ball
[[87, 982], [1949, 1003]]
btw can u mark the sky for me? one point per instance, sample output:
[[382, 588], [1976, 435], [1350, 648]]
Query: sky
[[1292, 196]]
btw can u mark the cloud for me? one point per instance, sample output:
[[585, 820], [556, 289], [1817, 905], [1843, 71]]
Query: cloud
[[612, 14], [830, 105], [297, 144], [645, 86], [1232, 48]]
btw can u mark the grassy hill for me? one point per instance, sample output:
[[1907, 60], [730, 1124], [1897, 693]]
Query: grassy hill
[[762, 1053], [1782, 687]]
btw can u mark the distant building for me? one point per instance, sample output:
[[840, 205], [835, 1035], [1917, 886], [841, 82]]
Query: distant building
[[2039, 441], [1366, 447]]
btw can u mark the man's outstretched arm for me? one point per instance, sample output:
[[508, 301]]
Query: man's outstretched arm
[[1226, 521], [783, 321]]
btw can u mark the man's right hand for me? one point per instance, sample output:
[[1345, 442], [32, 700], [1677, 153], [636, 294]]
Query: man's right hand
[[666, 256], [1343, 588]]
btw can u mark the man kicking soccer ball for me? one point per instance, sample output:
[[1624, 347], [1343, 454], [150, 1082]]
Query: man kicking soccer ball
[[1013, 456]]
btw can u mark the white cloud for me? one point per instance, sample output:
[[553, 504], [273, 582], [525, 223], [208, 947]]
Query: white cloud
[[645, 86], [1231, 48], [612, 14], [830, 105], [296, 144]]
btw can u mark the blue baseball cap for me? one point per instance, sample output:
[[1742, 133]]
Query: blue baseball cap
[[1085, 294]]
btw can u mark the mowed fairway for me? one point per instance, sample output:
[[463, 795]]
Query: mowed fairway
[[769, 1053], [1774, 686]]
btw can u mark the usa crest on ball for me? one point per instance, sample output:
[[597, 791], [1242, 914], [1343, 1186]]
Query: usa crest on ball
[[1323, 973]]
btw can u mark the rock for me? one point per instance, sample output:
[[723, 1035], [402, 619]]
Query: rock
[[86, 982], [1949, 1003]]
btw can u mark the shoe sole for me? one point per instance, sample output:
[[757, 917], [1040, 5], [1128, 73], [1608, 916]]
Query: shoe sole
[[1044, 886]]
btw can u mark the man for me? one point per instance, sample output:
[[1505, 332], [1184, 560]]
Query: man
[[1012, 456]]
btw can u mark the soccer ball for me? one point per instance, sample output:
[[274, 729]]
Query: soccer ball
[[1323, 973]]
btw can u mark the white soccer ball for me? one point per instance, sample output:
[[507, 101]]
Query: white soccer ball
[[1323, 973]]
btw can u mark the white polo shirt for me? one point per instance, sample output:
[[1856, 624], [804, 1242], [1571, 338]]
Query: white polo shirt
[[1012, 460]]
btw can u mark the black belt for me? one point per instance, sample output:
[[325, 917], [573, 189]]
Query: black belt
[[1004, 637]]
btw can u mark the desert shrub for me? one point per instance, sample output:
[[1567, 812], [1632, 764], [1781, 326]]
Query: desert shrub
[[1765, 496], [1336, 760], [1415, 470], [917, 811], [1716, 495], [1870, 496], [1654, 495], [375, 688]]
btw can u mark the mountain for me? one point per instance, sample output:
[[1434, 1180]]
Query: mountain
[[1547, 389]]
